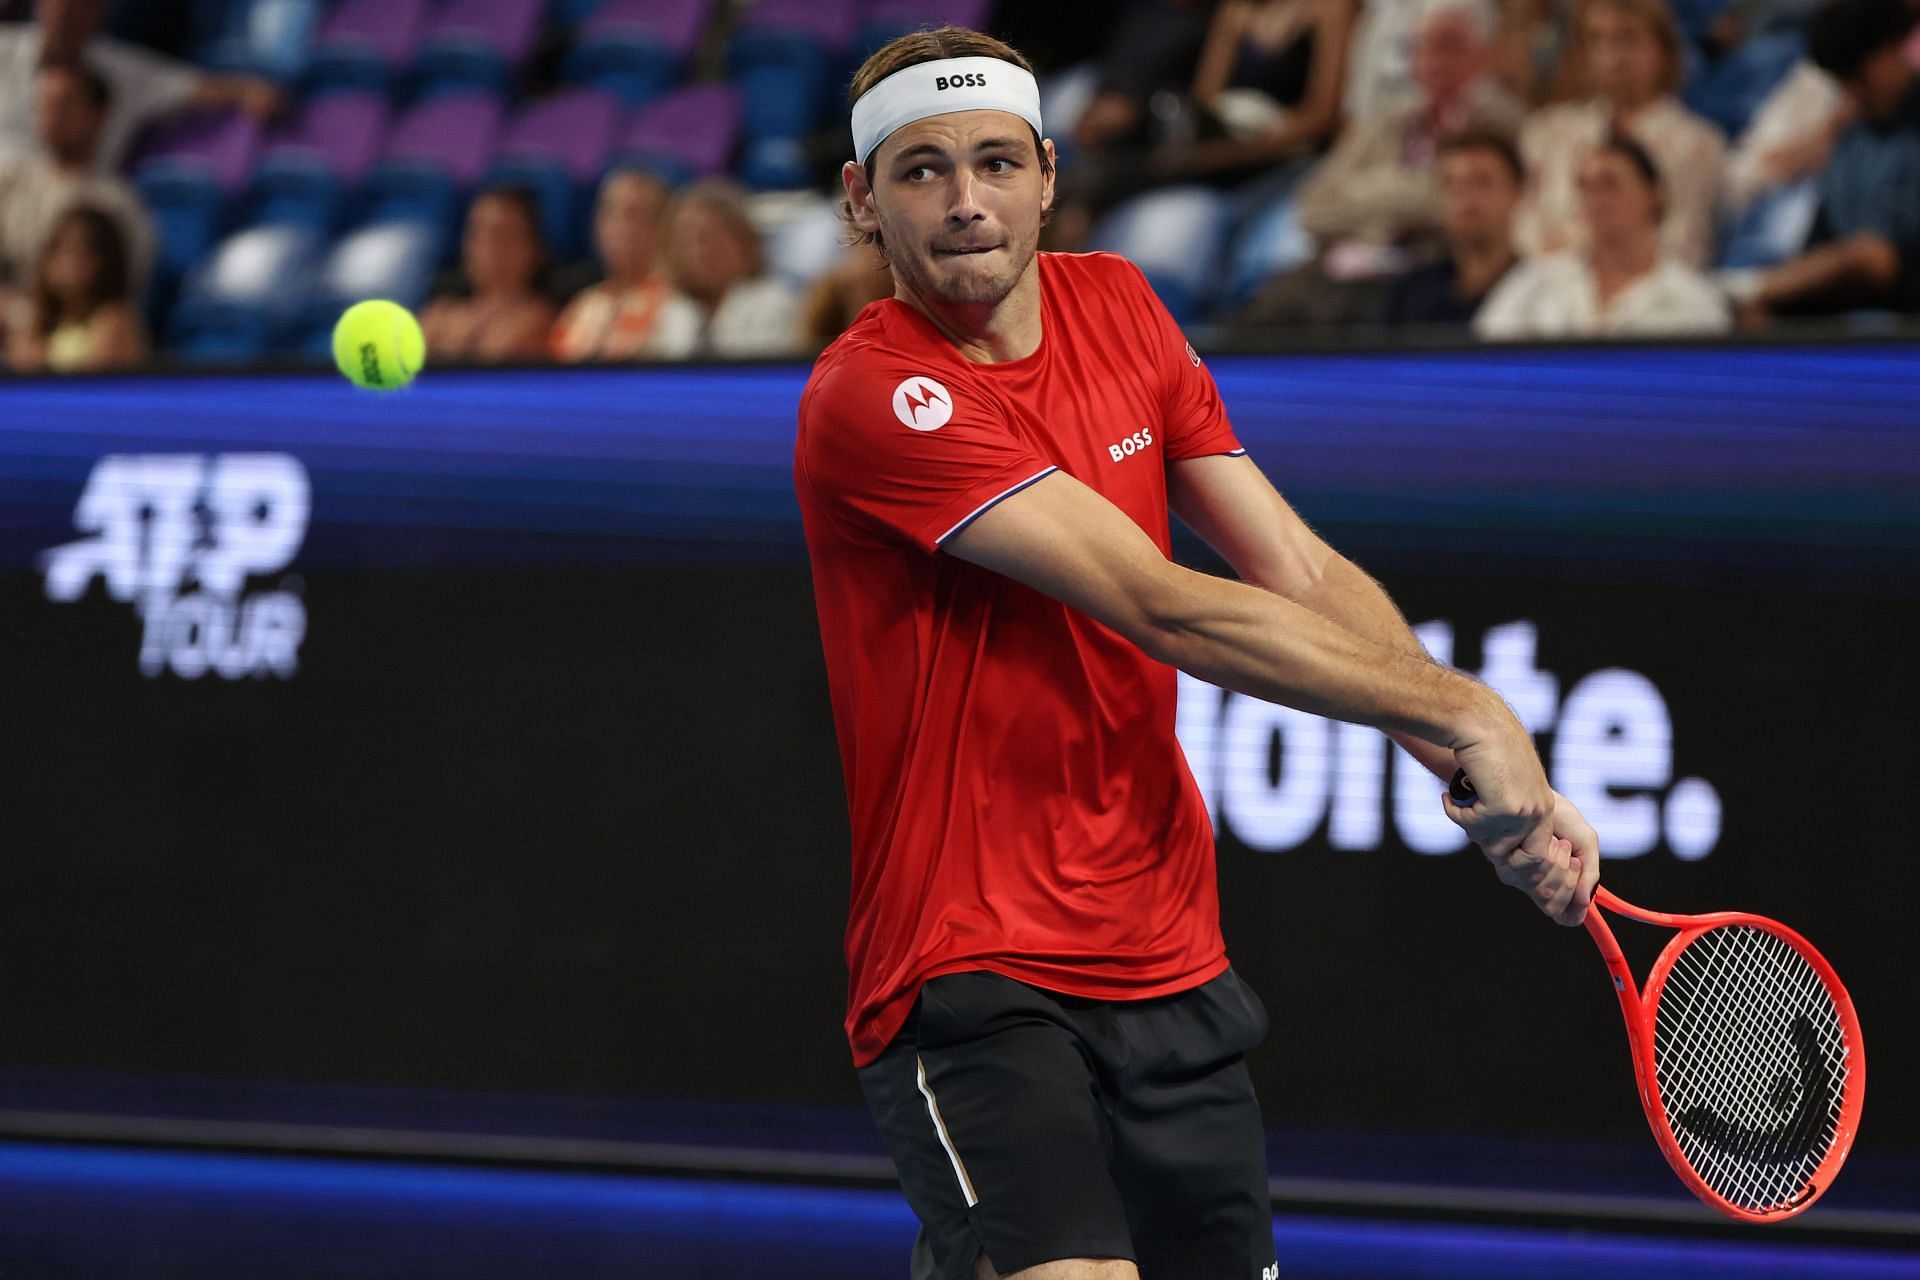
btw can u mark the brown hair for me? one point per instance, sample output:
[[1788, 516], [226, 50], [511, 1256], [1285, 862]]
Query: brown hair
[[1493, 141], [1657, 14], [912, 49], [724, 198], [111, 283]]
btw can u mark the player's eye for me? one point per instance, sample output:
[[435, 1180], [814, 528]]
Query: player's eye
[[919, 173], [1005, 165]]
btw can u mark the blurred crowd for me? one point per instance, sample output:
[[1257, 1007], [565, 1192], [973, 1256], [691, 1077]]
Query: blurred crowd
[[1511, 169]]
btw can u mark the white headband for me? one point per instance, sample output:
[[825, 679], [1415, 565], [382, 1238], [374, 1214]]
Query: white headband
[[937, 89]]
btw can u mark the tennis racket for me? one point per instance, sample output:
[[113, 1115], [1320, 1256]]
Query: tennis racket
[[1747, 1052]]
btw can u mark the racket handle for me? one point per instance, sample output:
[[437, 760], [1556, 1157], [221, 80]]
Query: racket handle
[[1461, 791]]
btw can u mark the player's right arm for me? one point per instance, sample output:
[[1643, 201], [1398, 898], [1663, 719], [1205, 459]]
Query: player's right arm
[[1063, 539]]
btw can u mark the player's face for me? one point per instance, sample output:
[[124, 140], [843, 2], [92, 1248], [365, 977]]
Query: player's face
[[957, 200]]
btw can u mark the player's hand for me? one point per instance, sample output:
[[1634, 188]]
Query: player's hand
[[1569, 825], [1512, 820]]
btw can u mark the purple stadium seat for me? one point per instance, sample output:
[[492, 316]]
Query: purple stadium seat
[[504, 28], [688, 133], [342, 133], [457, 133], [575, 130], [387, 32], [674, 25], [210, 147], [909, 14], [830, 23]]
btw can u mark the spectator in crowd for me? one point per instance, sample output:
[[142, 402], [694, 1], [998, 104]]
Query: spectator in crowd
[[1527, 48], [1628, 55], [1867, 238], [1480, 182], [1263, 99], [1379, 65], [635, 312], [144, 87], [1152, 52], [78, 315], [1372, 203], [714, 257], [861, 278], [1624, 281], [37, 187], [504, 315], [1789, 138]]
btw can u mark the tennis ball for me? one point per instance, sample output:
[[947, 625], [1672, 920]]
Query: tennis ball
[[378, 345]]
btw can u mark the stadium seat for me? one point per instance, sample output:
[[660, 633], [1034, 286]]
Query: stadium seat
[[637, 49], [559, 148], [313, 160], [189, 171], [803, 235], [1175, 237], [366, 44], [686, 134], [1730, 90], [1268, 243], [783, 57], [271, 38], [476, 44], [435, 155], [394, 260], [886, 19], [241, 299]]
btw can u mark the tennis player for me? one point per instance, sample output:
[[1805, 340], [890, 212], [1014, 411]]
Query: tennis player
[[1041, 1009]]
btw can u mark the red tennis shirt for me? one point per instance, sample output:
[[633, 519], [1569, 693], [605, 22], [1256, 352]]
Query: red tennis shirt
[[1019, 801]]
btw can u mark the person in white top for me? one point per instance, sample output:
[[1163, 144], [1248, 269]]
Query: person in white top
[[143, 86], [714, 256], [1629, 61], [1623, 283], [36, 187]]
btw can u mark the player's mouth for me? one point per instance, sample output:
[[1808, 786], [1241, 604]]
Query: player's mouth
[[965, 251]]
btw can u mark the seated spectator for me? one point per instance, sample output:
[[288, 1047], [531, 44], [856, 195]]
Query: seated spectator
[[1480, 181], [635, 312], [504, 316], [1527, 49], [1867, 237], [1378, 74], [836, 298], [78, 316], [1628, 55], [1624, 281], [1372, 203], [1153, 51], [144, 87], [1264, 98], [714, 257], [37, 187], [1789, 138]]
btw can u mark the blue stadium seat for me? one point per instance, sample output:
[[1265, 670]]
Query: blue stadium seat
[[383, 260], [271, 38], [240, 301], [1175, 236], [1730, 90]]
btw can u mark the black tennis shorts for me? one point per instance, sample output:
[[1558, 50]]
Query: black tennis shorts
[[1033, 1126]]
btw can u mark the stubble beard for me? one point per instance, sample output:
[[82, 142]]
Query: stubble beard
[[965, 287]]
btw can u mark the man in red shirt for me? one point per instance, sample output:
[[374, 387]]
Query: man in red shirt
[[1041, 1008]]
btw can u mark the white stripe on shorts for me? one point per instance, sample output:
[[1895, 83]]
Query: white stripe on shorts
[[940, 1127]]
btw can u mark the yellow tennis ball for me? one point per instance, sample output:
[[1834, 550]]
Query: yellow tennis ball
[[378, 345]]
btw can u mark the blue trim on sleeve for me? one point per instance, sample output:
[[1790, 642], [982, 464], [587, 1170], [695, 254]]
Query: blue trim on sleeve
[[992, 502]]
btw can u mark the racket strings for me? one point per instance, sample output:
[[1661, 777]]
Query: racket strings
[[1751, 1062]]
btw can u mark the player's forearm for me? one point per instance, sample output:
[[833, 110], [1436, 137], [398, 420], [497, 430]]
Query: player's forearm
[[1348, 596], [1266, 646]]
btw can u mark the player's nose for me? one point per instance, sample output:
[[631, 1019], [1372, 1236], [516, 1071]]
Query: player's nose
[[964, 207]]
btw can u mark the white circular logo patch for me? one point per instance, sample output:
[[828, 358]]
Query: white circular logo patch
[[922, 403]]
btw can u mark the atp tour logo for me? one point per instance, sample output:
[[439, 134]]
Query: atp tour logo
[[177, 536], [1274, 776], [922, 403]]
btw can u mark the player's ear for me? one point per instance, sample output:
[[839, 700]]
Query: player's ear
[[853, 177], [1049, 169]]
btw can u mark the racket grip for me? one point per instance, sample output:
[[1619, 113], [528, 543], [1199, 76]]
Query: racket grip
[[1461, 791]]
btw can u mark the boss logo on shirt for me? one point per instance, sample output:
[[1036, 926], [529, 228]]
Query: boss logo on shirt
[[922, 403], [970, 80], [1131, 445]]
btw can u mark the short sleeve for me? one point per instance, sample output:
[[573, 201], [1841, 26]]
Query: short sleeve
[[907, 455], [1195, 418]]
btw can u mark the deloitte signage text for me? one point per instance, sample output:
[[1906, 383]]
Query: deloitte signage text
[[1273, 777]]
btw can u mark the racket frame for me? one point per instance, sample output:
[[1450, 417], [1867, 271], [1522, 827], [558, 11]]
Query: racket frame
[[1638, 1012]]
